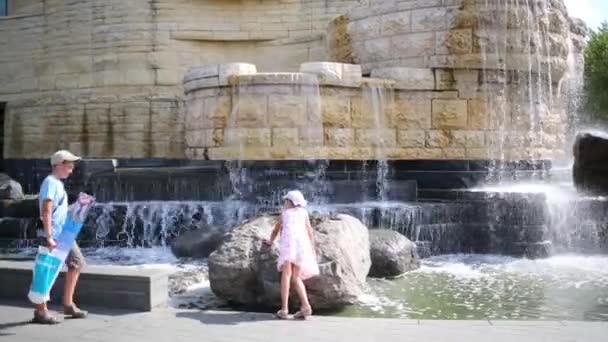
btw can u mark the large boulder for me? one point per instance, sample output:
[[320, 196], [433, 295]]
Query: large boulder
[[243, 271], [18, 228], [198, 243], [590, 170], [10, 189], [26, 208], [392, 254]]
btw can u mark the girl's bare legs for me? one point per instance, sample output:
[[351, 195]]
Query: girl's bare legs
[[300, 288], [285, 280]]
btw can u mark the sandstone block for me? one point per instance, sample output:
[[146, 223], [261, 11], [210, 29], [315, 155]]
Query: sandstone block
[[339, 137], [251, 110], [429, 19], [227, 70], [449, 114], [334, 73], [216, 111], [247, 137], [211, 82], [454, 42], [453, 153], [367, 28], [372, 50], [411, 45], [478, 114], [468, 138], [200, 72], [444, 79], [286, 110], [204, 138], [285, 137], [336, 112], [367, 112], [411, 138], [408, 78], [412, 113], [376, 137], [395, 23], [438, 138], [311, 136]]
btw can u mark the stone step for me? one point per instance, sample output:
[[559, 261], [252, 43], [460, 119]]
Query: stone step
[[114, 287]]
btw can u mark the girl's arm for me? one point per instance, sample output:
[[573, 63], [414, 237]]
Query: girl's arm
[[310, 232], [275, 232]]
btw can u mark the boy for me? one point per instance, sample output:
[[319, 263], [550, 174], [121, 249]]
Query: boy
[[53, 202]]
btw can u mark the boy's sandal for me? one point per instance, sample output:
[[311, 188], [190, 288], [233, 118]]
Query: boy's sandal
[[74, 311], [45, 318], [303, 313], [282, 314]]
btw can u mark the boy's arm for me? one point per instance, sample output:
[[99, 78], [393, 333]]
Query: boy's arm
[[46, 217]]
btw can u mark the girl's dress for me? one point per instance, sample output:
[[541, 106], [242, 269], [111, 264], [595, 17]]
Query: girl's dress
[[295, 245]]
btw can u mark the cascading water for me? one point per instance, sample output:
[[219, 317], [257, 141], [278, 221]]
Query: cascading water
[[250, 95], [380, 98], [524, 51], [146, 224]]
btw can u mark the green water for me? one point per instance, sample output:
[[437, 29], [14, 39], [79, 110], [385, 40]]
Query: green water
[[493, 287]]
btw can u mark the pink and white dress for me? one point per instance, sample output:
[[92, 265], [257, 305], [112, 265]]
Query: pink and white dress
[[295, 245]]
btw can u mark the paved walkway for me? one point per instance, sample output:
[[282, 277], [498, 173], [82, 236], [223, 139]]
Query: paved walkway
[[191, 326]]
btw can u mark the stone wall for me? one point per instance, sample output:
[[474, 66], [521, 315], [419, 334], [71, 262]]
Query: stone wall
[[510, 59], [235, 113], [103, 78]]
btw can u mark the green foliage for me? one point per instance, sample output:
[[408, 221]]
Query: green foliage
[[596, 73]]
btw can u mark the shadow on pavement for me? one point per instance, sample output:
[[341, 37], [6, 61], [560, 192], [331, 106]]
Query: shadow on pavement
[[5, 326], [225, 318], [53, 306]]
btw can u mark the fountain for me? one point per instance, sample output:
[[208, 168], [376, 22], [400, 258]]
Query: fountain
[[442, 120]]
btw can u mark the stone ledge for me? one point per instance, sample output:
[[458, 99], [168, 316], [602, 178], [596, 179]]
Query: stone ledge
[[408, 78], [215, 75], [273, 78], [100, 286], [339, 74]]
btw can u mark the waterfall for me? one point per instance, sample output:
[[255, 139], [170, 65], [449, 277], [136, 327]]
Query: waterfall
[[255, 104]]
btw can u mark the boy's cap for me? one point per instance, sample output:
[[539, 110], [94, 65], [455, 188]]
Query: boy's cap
[[296, 197], [63, 156]]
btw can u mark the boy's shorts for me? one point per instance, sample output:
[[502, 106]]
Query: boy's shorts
[[75, 260]]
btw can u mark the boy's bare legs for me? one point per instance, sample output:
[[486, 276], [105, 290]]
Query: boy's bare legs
[[285, 282], [40, 309], [71, 279], [300, 288]]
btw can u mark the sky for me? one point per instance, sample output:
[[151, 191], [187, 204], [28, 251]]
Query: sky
[[593, 12]]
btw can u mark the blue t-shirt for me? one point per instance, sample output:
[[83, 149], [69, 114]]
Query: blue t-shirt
[[52, 189]]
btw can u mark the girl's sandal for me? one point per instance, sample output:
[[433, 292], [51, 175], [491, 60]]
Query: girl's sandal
[[303, 313], [282, 314]]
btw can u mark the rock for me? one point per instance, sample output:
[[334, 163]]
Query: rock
[[10, 189], [392, 254], [243, 271], [196, 243], [590, 170], [26, 208], [18, 228]]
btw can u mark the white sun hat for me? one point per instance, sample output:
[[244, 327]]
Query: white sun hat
[[296, 197], [62, 156]]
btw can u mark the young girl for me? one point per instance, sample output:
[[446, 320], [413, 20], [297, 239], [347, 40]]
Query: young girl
[[297, 259]]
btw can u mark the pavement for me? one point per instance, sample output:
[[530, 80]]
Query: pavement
[[183, 325]]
